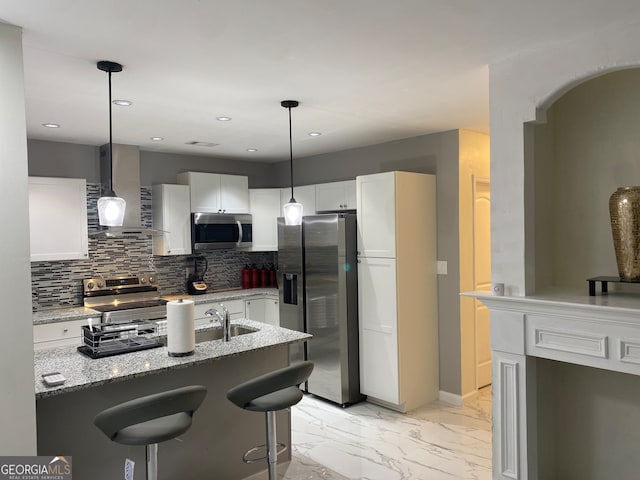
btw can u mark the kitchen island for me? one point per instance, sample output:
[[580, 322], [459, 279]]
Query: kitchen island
[[220, 434]]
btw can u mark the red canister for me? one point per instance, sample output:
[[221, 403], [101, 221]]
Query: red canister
[[264, 277], [273, 278], [255, 277], [246, 277]]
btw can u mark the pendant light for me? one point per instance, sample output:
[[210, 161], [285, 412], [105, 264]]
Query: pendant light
[[110, 206], [292, 210]]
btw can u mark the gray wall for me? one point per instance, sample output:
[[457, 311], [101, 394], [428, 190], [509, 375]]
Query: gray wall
[[588, 148], [435, 154], [587, 422], [57, 159]]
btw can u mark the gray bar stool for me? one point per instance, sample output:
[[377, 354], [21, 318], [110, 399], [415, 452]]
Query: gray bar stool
[[152, 419], [269, 393]]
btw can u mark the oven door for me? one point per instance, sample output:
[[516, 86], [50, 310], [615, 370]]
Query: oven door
[[220, 230]]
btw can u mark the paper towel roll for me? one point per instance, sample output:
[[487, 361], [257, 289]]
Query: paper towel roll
[[181, 334]]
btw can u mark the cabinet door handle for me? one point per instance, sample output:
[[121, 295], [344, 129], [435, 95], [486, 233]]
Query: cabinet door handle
[[65, 330]]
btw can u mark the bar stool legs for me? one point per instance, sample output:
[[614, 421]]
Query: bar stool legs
[[270, 393], [272, 445], [152, 461]]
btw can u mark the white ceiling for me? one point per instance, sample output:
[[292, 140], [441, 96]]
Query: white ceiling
[[364, 71]]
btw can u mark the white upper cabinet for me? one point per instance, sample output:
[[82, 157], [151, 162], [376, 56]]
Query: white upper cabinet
[[376, 199], [171, 213], [336, 196], [306, 195], [264, 206], [58, 218], [217, 193]]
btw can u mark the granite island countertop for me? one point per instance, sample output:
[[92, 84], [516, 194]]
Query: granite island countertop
[[82, 372], [54, 315]]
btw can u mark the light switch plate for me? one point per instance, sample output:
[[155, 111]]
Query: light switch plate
[[442, 267]]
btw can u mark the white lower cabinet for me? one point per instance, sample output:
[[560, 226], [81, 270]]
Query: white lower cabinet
[[266, 310], [378, 329], [235, 308], [59, 334]]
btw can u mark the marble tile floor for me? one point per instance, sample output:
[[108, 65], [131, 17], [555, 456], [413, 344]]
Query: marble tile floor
[[367, 442]]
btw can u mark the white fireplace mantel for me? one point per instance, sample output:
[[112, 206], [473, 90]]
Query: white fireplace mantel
[[600, 331]]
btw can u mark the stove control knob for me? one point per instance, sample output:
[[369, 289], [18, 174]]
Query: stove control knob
[[100, 284], [152, 279], [143, 280], [90, 285]]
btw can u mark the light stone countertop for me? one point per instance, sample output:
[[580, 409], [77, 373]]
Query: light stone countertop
[[82, 313], [83, 372]]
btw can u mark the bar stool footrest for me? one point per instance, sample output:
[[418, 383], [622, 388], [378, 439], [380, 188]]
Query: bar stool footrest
[[245, 458]]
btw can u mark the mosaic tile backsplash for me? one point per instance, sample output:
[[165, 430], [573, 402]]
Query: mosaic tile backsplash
[[59, 284]]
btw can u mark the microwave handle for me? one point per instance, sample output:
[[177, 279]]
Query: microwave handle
[[239, 233]]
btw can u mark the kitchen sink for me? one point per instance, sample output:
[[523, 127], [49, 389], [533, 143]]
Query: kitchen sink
[[216, 333]]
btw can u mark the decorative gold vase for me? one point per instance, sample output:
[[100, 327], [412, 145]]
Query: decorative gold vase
[[624, 209]]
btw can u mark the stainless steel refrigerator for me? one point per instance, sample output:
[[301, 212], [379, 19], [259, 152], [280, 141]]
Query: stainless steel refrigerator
[[319, 294]]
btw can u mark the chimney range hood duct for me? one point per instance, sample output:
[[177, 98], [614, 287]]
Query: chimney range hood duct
[[125, 181]]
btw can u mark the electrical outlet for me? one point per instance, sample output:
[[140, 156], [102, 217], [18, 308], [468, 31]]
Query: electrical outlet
[[187, 273], [442, 267]]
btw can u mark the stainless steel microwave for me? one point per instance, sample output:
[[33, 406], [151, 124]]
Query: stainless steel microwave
[[220, 230]]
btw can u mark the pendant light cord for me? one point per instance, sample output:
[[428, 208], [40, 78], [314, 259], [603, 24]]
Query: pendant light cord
[[110, 142], [293, 200]]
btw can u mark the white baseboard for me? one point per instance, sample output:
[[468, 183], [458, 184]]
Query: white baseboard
[[454, 399], [450, 398]]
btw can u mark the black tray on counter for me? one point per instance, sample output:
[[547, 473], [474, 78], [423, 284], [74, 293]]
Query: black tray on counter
[[129, 347], [106, 340]]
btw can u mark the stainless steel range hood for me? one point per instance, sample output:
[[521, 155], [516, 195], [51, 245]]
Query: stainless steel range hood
[[126, 184]]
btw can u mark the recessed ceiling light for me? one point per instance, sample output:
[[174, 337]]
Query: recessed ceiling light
[[157, 139], [223, 119], [314, 134], [123, 103], [252, 149], [51, 125]]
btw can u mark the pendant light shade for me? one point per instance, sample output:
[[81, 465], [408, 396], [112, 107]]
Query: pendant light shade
[[292, 210], [110, 207]]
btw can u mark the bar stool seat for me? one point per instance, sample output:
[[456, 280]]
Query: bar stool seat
[[270, 393], [151, 419]]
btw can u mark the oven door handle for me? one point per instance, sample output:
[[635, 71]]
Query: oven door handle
[[239, 233]]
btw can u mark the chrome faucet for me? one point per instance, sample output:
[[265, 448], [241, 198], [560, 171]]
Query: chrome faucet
[[224, 319]]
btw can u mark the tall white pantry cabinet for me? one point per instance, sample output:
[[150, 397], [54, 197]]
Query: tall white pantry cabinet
[[397, 288]]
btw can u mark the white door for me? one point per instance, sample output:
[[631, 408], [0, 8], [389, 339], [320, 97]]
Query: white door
[[330, 196], [264, 206], [58, 218], [377, 314], [482, 276], [205, 190], [177, 221], [234, 193], [254, 309], [376, 215]]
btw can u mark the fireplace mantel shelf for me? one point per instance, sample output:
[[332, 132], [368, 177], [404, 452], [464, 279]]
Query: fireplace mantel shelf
[[566, 326], [614, 308]]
